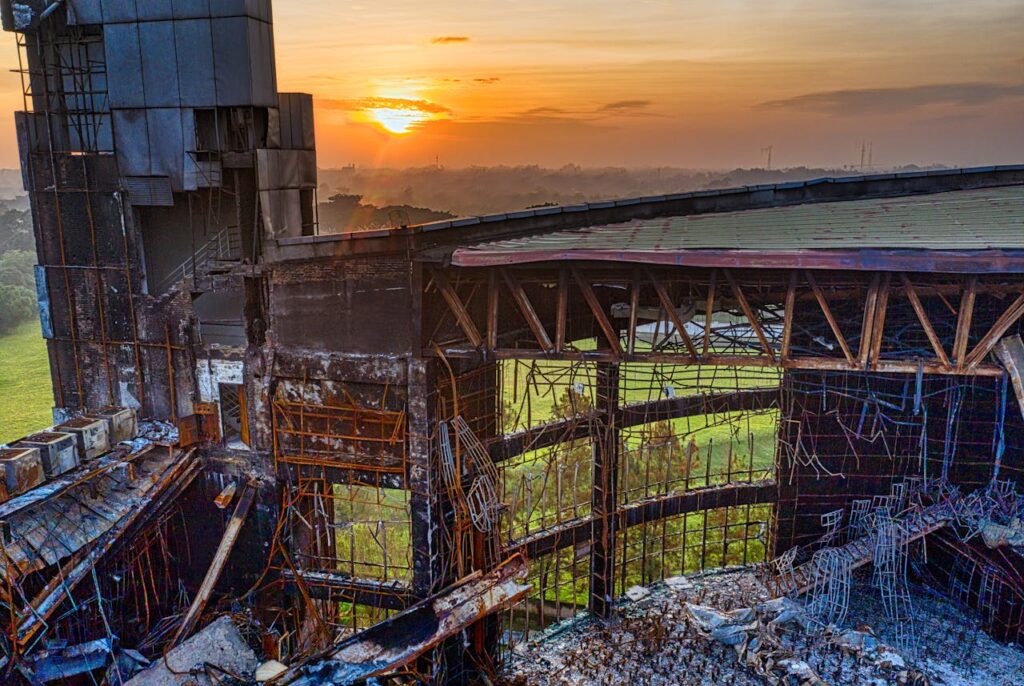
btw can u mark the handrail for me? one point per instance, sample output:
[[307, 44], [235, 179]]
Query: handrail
[[220, 246]]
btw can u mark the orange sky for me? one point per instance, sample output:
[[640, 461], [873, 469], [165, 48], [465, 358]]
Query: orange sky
[[650, 82]]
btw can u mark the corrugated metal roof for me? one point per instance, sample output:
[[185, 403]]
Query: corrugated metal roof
[[856, 233]]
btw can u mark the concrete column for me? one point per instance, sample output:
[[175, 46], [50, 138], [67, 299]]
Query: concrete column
[[605, 492]]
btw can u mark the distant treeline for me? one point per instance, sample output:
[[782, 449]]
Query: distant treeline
[[486, 190], [17, 257], [345, 212]]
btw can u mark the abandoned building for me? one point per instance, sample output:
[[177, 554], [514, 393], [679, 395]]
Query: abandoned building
[[416, 454]]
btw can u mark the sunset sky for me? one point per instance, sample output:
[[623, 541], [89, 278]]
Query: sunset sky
[[650, 82]]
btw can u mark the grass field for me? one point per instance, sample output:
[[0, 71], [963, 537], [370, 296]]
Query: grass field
[[25, 395]]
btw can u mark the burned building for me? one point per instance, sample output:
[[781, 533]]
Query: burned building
[[404, 452]]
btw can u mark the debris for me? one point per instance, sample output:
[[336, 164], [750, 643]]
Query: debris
[[397, 641], [637, 593], [21, 468], [998, 535], [66, 662], [227, 543], [225, 497], [678, 583], [271, 669], [661, 637], [219, 644]]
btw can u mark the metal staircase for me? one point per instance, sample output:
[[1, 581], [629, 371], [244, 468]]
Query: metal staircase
[[221, 252]]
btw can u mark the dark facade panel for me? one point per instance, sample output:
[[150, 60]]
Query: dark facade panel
[[166, 145], [160, 63], [231, 61], [84, 12], [193, 42], [124, 58], [150, 10], [119, 10], [189, 9], [263, 70]]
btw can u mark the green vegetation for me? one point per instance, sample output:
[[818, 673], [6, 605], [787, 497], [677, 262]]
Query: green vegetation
[[25, 395], [17, 289], [553, 484], [373, 532]]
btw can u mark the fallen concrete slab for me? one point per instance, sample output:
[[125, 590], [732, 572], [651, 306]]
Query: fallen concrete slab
[[220, 644]]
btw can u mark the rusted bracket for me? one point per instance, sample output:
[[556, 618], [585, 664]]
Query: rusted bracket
[[926, 323], [673, 315], [819, 295], [457, 308], [1001, 326], [526, 309], [963, 322], [748, 312], [609, 331]]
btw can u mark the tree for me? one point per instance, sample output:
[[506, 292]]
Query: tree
[[17, 269], [17, 305], [17, 288]]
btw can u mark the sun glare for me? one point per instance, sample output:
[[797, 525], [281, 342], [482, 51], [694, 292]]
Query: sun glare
[[397, 121]]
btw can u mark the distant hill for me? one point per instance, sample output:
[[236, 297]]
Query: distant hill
[[345, 212], [364, 197], [485, 190]]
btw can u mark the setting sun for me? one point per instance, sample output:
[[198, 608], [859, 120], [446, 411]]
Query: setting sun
[[397, 121]]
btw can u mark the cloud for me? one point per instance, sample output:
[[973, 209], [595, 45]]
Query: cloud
[[445, 40], [625, 106], [893, 100], [364, 104], [545, 112], [487, 79], [617, 108]]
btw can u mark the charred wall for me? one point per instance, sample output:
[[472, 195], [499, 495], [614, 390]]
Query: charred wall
[[846, 436], [357, 305]]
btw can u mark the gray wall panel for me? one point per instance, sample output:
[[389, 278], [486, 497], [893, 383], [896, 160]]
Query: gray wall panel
[[119, 10], [159, 64], [131, 138], [285, 109], [227, 8], [191, 175], [154, 9], [259, 9], [166, 144], [231, 61], [194, 44], [191, 9], [308, 123], [124, 65], [84, 12], [261, 57]]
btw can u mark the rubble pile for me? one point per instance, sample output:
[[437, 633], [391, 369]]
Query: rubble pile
[[726, 629]]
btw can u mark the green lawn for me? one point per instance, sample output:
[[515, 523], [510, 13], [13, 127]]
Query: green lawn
[[26, 398]]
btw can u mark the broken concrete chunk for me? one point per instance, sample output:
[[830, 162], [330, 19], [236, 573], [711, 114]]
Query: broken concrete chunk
[[709, 618], [733, 635], [998, 535], [219, 644], [637, 593], [679, 583], [270, 669]]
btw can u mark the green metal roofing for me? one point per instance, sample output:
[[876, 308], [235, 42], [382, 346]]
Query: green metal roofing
[[961, 221]]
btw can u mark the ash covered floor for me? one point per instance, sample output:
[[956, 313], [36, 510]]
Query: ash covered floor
[[659, 640]]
